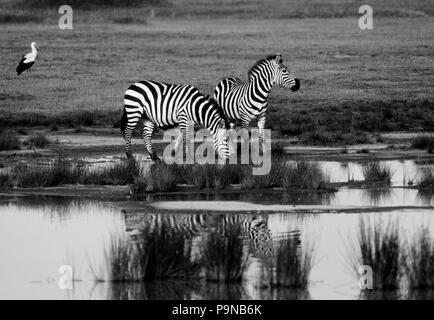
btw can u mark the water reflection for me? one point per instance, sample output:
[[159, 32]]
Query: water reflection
[[376, 196], [403, 171], [37, 235], [261, 197]]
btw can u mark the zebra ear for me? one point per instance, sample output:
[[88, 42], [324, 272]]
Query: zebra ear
[[279, 58]]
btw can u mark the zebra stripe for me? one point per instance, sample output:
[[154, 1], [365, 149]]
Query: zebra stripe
[[167, 105], [246, 101]]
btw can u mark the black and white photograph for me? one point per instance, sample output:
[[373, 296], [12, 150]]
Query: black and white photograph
[[216, 150]]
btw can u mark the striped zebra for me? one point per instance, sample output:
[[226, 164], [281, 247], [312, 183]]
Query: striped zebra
[[246, 101], [167, 105]]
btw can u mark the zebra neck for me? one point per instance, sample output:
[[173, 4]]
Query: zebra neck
[[260, 88]]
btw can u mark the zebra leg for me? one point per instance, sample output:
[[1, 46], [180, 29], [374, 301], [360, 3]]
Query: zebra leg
[[148, 128], [181, 137], [261, 127], [245, 125], [128, 134]]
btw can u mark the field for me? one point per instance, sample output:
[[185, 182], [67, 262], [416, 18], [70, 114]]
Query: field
[[354, 83], [351, 173]]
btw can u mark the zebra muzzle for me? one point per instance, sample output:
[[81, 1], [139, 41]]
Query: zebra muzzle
[[296, 86]]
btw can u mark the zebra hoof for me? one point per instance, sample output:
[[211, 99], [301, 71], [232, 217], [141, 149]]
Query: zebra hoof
[[154, 157], [129, 155]]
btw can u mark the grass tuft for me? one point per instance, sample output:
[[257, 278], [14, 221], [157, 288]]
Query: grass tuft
[[39, 140], [304, 175], [210, 176], [380, 248], [159, 177], [420, 267], [61, 171], [376, 172], [120, 173], [6, 181], [426, 181], [160, 253], [424, 143], [224, 256], [9, 140], [290, 268]]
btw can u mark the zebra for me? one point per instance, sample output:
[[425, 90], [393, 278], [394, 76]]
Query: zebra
[[165, 106], [246, 101]]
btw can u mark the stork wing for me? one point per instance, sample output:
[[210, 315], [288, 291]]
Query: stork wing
[[22, 66]]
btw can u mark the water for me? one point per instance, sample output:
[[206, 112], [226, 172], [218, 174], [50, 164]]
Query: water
[[403, 171], [39, 234]]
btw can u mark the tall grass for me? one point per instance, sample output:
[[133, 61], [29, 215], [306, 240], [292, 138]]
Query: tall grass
[[159, 177], [91, 3], [66, 171], [61, 171], [426, 180], [272, 179], [224, 256], [298, 174], [160, 253], [9, 140], [120, 173], [423, 142], [380, 248], [304, 175], [290, 268], [420, 264], [5, 181], [39, 140], [374, 171], [212, 176]]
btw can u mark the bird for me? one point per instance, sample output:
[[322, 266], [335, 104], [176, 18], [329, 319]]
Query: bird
[[28, 60]]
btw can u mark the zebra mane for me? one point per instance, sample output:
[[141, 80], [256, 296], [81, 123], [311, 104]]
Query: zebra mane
[[259, 63], [218, 109]]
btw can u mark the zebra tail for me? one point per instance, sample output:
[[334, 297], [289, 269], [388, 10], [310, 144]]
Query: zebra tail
[[124, 122]]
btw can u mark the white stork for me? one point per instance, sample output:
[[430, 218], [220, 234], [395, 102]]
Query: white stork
[[28, 60]]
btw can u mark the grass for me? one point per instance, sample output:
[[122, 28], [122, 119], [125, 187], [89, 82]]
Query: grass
[[224, 255], [290, 268], [6, 181], [286, 174], [374, 172], [159, 254], [210, 176], [426, 181], [423, 142], [340, 100], [380, 247], [61, 171], [120, 173], [9, 140], [39, 140], [304, 175], [90, 4], [69, 119], [270, 180], [420, 265], [159, 177], [66, 171]]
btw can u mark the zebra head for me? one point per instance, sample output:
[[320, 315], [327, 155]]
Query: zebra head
[[218, 125], [282, 76]]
